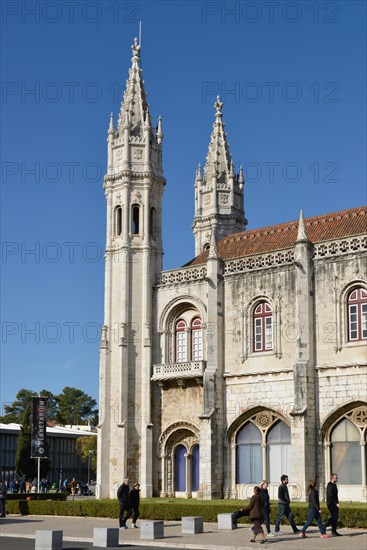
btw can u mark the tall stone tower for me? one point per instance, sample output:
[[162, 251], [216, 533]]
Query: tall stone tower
[[219, 191], [133, 186]]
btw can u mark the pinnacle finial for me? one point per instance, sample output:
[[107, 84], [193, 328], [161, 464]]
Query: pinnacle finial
[[213, 251], [136, 50], [301, 236], [110, 128], [218, 106], [241, 179], [159, 130]]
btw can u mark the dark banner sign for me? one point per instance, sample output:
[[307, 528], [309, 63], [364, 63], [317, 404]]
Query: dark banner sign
[[39, 442]]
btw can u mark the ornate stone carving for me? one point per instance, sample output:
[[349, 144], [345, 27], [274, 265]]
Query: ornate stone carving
[[360, 416], [264, 419], [182, 275], [335, 248]]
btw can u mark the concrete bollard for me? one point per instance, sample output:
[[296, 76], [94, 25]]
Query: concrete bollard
[[48, 540], [192, 525], [105, 537], [225, 521], [150, 530]]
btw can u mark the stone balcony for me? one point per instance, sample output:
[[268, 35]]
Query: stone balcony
[[179, 371]]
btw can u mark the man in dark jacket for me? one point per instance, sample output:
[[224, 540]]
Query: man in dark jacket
[[332, 502], [123, 495], [3, 491], [134, 503], [284, 506]]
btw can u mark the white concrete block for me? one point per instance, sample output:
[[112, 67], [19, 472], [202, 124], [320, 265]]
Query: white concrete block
[[48, 540], [105, 537], [192, 525], [151, 529], [224, 521]]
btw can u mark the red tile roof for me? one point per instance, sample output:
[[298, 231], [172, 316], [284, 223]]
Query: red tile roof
[[335, 225]]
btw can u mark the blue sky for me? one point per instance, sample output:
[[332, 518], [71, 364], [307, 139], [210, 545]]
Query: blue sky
[[292, 79]]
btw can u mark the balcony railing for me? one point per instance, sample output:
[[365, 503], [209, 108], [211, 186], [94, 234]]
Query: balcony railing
[[174, 371]]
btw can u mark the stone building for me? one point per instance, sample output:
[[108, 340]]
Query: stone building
[[244, 364]]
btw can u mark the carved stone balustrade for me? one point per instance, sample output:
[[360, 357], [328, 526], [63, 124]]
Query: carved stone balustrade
[[176, 371]]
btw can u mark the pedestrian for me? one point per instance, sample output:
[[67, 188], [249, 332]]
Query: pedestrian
[[284, 508], [3, 491], [16, 486], [314, 511], [332, 502], [134, 503], [65, 484], [265, 494], [28, 486], [22, 486], [123, 495], [256, 512], [73, 486]]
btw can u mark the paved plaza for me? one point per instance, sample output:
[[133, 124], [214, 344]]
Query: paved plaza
[[80, 530]]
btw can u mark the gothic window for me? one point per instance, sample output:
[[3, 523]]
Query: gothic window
[[196, 340], [195, 468], [357, 315], [263, 327], [152, 223], [346, 452], [181, 342], [118, 221], [278, 451], [249, 454], [180, 468], [135, 219]]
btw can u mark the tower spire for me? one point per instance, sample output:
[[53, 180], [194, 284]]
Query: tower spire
[[219, 197], [135, 96]]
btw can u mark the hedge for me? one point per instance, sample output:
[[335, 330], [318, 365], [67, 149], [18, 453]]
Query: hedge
[[36, 496], [351, 515]]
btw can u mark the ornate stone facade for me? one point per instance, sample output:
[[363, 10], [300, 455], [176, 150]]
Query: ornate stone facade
[[246, 363]]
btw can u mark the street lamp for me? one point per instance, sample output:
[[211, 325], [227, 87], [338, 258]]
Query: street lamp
[[90, 457]]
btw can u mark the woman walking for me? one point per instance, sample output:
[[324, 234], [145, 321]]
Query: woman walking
[[314, 512], [256, 509]]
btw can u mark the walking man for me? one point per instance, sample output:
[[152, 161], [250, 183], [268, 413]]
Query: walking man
[[123, 495], [332, 502], [284, 506], [134, 503], [3, 490]]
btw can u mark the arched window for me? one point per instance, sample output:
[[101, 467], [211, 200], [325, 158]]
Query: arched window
[[249, 454], [263, 327], [135, 219], [195, 468], [279, 451], [180, 468], [118, 221], [346, 453], [357, 315], [152, 223], [196, 340], [181, 342]]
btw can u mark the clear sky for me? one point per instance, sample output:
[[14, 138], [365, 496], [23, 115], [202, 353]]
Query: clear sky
[[292, 78]]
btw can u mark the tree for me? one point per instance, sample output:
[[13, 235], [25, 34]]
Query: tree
[[23, 401], [24, 465], [86, 447], [76, 407], [15, 411]]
